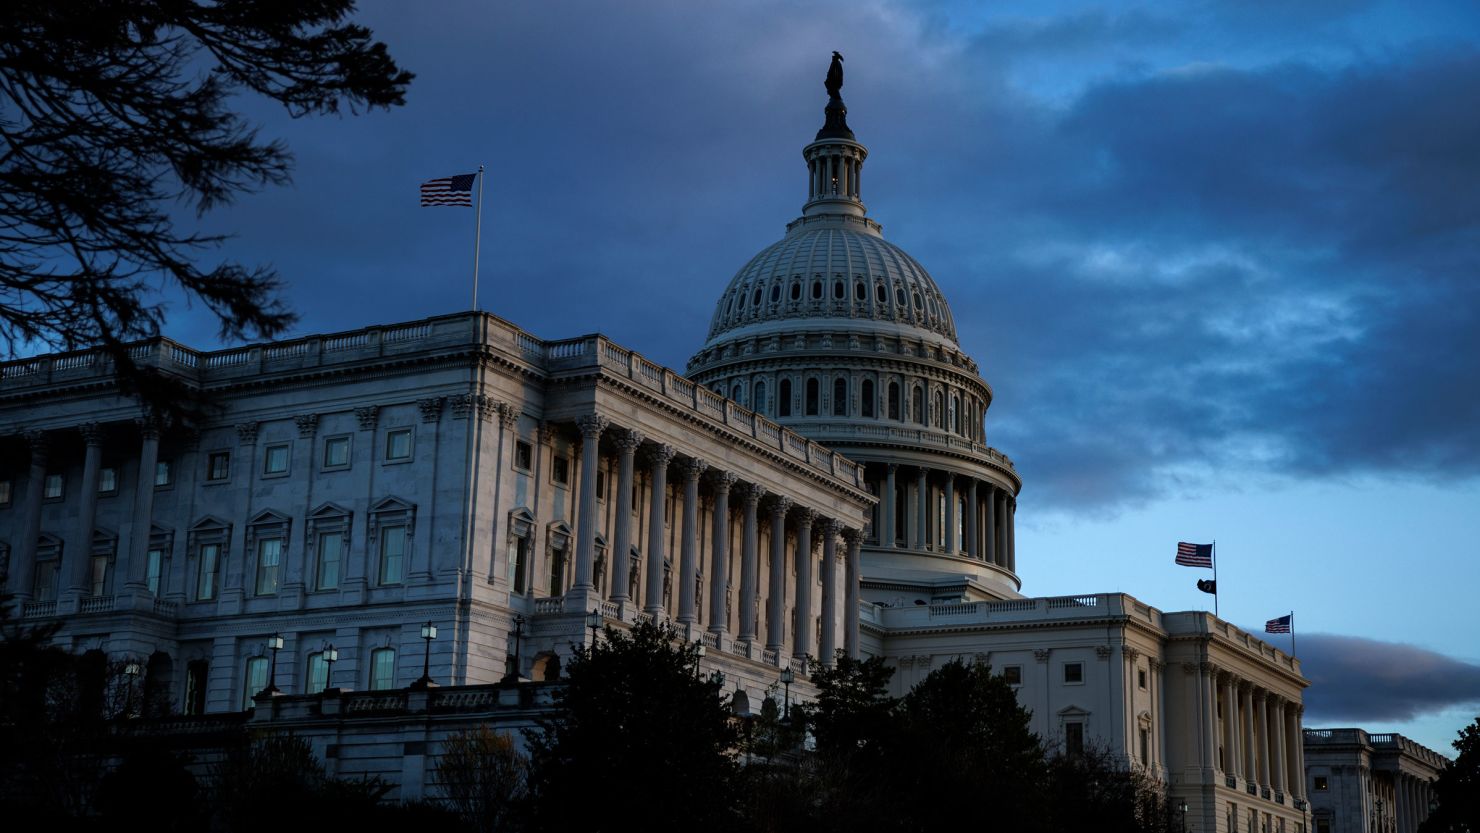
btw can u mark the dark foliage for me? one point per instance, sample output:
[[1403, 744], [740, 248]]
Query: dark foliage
[[640, 739], [1458, 788], [1093, 791], [112, 114]]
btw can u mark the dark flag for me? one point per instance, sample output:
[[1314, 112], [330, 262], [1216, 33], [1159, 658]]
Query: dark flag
[[1207, 586], [1280, 625], [448, 190], [1194, 555]]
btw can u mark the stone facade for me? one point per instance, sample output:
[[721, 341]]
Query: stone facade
[[1369, 783]]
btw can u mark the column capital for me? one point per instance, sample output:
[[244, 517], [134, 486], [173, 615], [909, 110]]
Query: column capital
[[508, 414], [660, 455], [805, 515], [892, 468], [1244, 686], [1189, 668], [546, 431], [627, 440], [723, 481], [1130, 651], [592, 425], [92, 433], [781, 506], [852, 537], [832, 527], [693, 468], [149, 426], [751, 494], [368, 417], [308, 425], [431, 408], [246, 432], [1156, 663], [36, 441]]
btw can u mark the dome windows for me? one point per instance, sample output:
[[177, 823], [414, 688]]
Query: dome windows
[[860, 293], [760, 397], [783, 399], [813, 394], [817, 290], [867, 398], [917, 301], [840, 395], [839, 293], [917, 404], [881, 296], [899, 295], [894, 400], [796, 290], [755, 301], [775, 293]]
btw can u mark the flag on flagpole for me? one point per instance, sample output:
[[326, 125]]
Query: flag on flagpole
[[1280, 625], [1194, 555], [1208, 585], [448, 190]]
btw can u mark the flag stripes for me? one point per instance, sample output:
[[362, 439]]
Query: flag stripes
[[1280, 625], [448, 190], [1194, 555]]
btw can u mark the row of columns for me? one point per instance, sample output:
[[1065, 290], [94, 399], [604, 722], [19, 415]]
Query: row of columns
[[987, 527], [1413, 795], [1259, 732], [659, 457]]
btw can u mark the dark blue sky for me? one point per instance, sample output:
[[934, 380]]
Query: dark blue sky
[[1221, 263]]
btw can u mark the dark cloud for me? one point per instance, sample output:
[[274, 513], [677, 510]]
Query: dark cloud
[[1356, 679]]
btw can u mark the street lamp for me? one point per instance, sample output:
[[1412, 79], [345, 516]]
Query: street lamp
[[428, 633], [593, 621], [513, 675], [787, 675], [274, 644], [331, 656], [1182, 808]]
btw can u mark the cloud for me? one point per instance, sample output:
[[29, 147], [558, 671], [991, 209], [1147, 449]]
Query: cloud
[[1355, 679]]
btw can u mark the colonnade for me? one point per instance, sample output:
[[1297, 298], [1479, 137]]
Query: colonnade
[[1413, 794], [1252, 733], [980, 510]]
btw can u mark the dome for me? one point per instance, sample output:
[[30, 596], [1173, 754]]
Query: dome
[[832, 267]]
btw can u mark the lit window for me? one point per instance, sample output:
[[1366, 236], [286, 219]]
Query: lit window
[[276, 459], [560, 470], [398, 444], [205, 582], [382, 669], [1321, 784], [318, 673], [256, 680], [331, 549], [107, 481], [196, 676], [153, 566], [336, 452], [1073, 672], [1013, 675], [54, 487], [99, 585], [523, 455], [164, 472], [269, 559], [1074, 739], [392, 554], [218, 466]]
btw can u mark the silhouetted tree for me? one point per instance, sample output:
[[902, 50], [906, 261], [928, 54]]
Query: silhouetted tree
[[485, 778], [113, 114], [1094, 790], [1458, 788]]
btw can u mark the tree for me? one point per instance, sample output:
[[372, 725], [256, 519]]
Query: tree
[[114, 113], [485, 778], [1095, 790], [638, 735], [1458, 788]]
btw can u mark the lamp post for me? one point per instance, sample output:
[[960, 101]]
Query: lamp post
[[593, 621], [700, 652], [132, 670], [513, 675], [787, 675], [274, 644], [331, 656], [428, 633], [1182, 809]]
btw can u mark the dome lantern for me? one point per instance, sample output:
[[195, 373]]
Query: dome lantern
[[834, 158]]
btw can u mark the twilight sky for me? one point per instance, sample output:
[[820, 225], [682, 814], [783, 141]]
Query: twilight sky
[[1221, 264]]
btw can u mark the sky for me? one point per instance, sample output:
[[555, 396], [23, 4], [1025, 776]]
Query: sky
[[1219, 260]]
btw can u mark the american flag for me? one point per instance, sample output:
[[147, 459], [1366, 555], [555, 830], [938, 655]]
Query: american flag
[[1194, 555], [448, 190], [1280, 625]]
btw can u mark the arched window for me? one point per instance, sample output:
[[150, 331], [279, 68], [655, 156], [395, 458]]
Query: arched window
[[867, 398], [816, 290], [775, 293], [894, 400], [917, 404], [796, 290], [760, 397], [737, 392], [755, 300], [955, 413], [382, 669], [840, 397], [783, 399], [839, 293], [813, 394], [254, 679], [318, 673], [899, 295], [859, 292], [879, 294], [939, 416]]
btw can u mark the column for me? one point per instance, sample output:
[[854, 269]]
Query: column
[[138, 551], [77, 560], [775, 600], [887, 537], [989, 535], [1294, 776], [1230, 717], [627, 443], [827, 640], [23, 562], [949, 536], [750, 498], [801, 642], [582, 587], [1250, 745], [719, 559], [1262, 730], [922, 515], [1278, 726], [1207, 678], [688, 564], [1009, 523], [662, 455], [1299, 769], [973, 514], [851, 572]]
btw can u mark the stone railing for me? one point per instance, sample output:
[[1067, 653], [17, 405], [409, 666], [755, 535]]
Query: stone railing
[[1095, 606], [96, 604], [1382, 741], [39, 610], [549, 604]]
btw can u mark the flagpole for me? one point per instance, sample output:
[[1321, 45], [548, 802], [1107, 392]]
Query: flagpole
[[1215, 577], [477, 235], [1292, 633]]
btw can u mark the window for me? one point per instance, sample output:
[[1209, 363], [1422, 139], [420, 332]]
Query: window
[[275, 460], [817, 290], [218, 466], [783, 403], [1141, 678], [269, 559], [164, 472], [557, 572], [796, 291], [899, 295], [1322, 826], [759, 402], [1321, 784], [382, 669], [318, 673], [917, 404], [867, 398], [600, 485], [1074, 739], [839, 293], [860, 292], [53, 487], [153, 566], [560, 470], [894, 400], [840, 397], [523, 455], [755, 300], [398, 444], [392, 554], [107, 481], [1145, 745], [1073, 672], [518, 559], [330, 553], [1013, 675], [775, 293], [99, 584], [5, 488], [336, 452], [205, 580], [196, 672], [880, 296], [255, 680], [813, 395]]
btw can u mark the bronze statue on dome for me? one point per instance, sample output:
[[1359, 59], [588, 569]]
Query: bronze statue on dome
[[834, 82]]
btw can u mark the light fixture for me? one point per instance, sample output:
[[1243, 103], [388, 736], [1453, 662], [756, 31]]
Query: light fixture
[[428, 633], [274, 644], [787, 675], [593, 621], [331, 656]]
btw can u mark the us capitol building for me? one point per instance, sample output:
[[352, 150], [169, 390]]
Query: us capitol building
[[818, 481]]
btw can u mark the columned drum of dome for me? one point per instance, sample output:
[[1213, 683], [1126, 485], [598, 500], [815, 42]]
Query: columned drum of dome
[[843, 337]]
